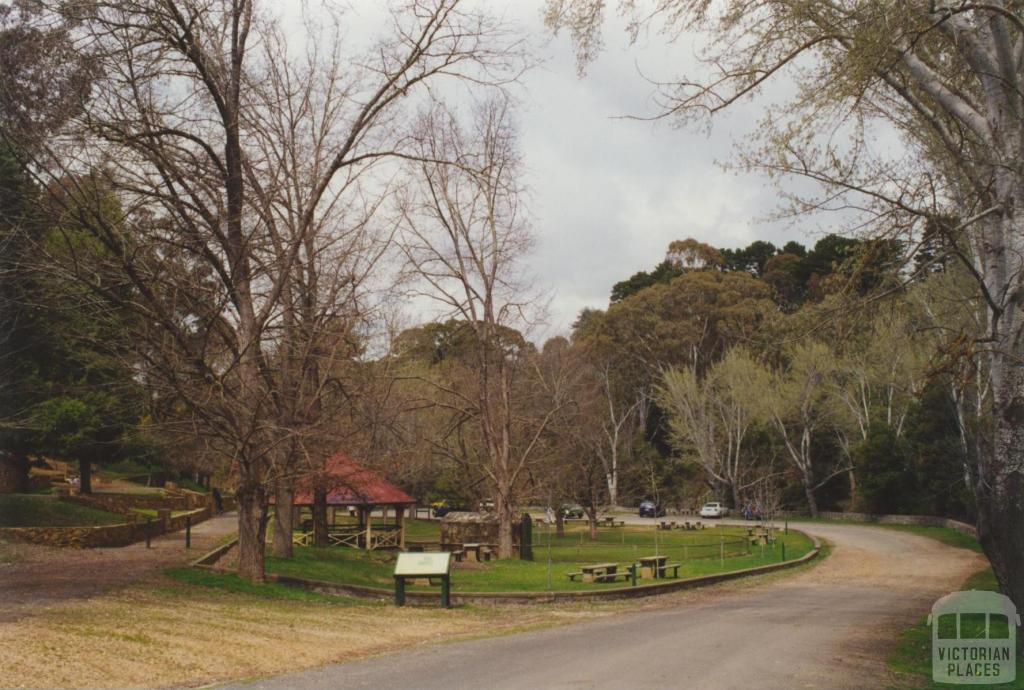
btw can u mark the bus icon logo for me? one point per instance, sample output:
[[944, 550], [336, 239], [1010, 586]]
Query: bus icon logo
[[974, 638]]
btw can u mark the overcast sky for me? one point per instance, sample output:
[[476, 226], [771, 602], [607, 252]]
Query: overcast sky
[[609, 194]]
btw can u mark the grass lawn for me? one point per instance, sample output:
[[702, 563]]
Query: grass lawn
[[192, 629], [33, 510], [912, 657], [697, 551]]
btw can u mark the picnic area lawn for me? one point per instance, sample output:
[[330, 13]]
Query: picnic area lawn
[[35, 510], [697, 551]]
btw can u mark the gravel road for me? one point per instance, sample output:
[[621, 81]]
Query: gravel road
[[828, 627]]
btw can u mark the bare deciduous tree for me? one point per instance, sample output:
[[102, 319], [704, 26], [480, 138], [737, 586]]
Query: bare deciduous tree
[[221, 177], [464, 234]]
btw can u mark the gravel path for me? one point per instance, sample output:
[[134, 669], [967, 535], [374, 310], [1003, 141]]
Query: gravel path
[[831, 627], [33, 576]]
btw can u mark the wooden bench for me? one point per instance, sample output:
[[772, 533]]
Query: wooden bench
[[625, 576], [613, 577], [674, 567], [458, 555]]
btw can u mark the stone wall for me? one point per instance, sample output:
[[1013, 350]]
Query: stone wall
[[103, 535], [924, 520], [123, 503]]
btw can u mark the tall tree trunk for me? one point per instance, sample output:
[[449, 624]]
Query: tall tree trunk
[[320, 517], [252, 505], [284, 502], [84, 477], [592, 523], [812, 500], [506, 520], [559, 522], [17, 465], [852, 477], [1001, 490], [736, 500]]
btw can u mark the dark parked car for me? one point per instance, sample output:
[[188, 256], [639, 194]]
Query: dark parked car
[[572, 511], [650, 509]]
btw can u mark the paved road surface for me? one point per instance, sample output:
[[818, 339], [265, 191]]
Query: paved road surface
[[828, 627]]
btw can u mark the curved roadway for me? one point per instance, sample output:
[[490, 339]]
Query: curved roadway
[[830, 627]]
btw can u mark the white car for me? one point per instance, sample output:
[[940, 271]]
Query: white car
[[713, 510]]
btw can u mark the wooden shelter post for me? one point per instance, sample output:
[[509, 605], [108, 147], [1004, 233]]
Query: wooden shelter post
[[369, 528], [400, 518]]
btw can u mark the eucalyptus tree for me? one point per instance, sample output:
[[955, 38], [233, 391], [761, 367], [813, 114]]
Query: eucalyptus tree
[[800, 408], [710, 416]]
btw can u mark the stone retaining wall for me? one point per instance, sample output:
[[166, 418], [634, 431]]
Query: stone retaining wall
[[924, 520], [123, 503], [101, 535]]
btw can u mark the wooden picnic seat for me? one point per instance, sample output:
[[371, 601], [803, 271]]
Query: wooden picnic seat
[[458, 555], [625, 576], [674, 567], [598, 577], [611, 577]]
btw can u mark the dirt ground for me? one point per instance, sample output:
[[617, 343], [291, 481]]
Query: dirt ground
[[33, 576]]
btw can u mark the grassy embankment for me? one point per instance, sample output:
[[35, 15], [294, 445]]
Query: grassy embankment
[[33, 510]]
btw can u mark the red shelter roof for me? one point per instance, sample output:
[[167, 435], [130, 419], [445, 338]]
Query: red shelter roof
[[351, 484]]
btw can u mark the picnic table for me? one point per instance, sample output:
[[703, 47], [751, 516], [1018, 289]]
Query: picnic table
[[649, 566], [610, 521], [598, 572], [475, 552], [652, 567]]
